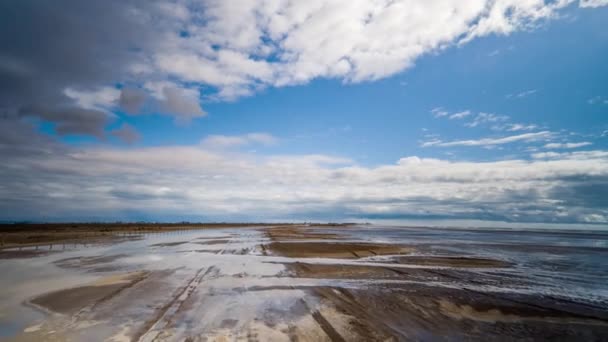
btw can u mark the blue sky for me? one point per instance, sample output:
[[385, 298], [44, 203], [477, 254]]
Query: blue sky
[[543, 77], [477, 111]]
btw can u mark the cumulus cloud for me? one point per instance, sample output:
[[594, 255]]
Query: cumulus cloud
[[21, 139], [71, 120], [543, 135], [230, 49], [183, 103], [62, 78], [132, 100], [94, 59], [197, 182], [126, 133], [101, 98]]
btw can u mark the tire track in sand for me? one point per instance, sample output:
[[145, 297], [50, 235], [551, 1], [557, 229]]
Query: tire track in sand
[[154, 327]]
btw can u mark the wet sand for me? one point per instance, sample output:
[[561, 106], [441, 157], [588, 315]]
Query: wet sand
[[16, 235], [299, 283], [451, 261], [341, 250], [19, 254], [71, 300]]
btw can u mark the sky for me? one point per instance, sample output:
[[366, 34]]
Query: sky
[[491, 111]]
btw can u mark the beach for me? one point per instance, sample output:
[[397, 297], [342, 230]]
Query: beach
[[306, 283]]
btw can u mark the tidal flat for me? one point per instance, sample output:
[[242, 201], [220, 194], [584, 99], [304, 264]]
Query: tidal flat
[[304, 283]]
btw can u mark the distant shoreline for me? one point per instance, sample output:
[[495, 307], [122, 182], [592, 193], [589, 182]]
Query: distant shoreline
[[36, 234], [119, 226]]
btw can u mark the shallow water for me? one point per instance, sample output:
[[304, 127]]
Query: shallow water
[[566, 263], [224, 267]]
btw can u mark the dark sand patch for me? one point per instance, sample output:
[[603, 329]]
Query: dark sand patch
[[466, 262], [88, 262], [71, 300], [210, 251], [351, 250], [59, 240], [216, 237], [213, 242], [468, 312], [494, 315], [337, 271], [419, 312], [169, 244], [228, 323], [298, 233], [327, 327], [382, 272], [349, 271], [19, 254]]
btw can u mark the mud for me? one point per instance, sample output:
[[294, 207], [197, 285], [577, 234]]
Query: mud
[[213, 242], [346, 250], [428, 313], [338, 271], [169, 244], [19, 254], [291, 233], [83, 262], [69, 301], [452, 261]]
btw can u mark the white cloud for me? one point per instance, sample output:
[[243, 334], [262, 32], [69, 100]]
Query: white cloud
[[230, 141], [593, 3], [507, 16], [567, 145], [595, 218], [439, 112], [494, 53], [546, 155], [180, 102], [196, 181], [572, 155], [483, 118], [498, 121], [460, 115], [233, 49], [519, 127], [522, 94], [491, 141], [242, 48], [102, 98], [597, 100]]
